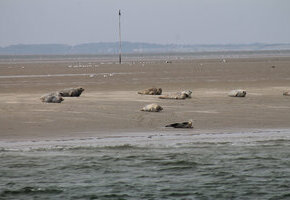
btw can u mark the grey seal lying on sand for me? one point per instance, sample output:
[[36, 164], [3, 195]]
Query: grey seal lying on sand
[[52, 98], [237, 93], [152, 108], [287, 93], [151, 91], [181, 125], [180, 95], [71, 92]]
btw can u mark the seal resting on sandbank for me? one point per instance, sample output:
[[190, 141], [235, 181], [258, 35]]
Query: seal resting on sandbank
[[181, 125], [152, 108], [52, 98], [151, 91], [287, 93], [180, 95], [237, 93], [71, 92]]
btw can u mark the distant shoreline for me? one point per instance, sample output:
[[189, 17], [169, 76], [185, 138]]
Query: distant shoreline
[[111, 48], [161, 56]]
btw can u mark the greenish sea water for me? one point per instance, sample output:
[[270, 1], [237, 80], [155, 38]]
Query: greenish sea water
[[252, 165]]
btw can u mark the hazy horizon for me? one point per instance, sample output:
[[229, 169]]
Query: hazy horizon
[[153, 43], [149, 43], [193, 22]]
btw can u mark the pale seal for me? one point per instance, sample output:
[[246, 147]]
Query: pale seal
[[152, 108], [237, 93]]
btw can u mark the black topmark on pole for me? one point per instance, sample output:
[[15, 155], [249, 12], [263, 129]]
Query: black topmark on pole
[[120, 44]]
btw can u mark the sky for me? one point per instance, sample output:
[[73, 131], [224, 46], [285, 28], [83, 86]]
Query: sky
[[154, 21]]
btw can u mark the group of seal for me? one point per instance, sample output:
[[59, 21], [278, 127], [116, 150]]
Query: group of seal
[[181, 96], [57, 97], [157, 108]]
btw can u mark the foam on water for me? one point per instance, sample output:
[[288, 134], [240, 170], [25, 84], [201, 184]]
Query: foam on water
[[154, 139]]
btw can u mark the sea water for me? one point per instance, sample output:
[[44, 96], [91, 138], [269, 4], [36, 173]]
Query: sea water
[[174, 165]]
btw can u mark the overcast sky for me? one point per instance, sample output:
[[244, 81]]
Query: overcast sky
[[154, 21]]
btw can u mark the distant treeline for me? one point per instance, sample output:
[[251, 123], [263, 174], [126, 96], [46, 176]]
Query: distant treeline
[[129, 47]]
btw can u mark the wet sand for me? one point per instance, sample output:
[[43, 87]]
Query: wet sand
[[110, 104]]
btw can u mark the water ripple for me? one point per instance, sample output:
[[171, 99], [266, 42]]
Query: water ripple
[[129, 170]]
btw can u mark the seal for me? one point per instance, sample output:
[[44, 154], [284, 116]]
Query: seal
[[181, 125], [152, 108], [237, 93], [71, 92], [151, 91], [179, 95], [287, 93], [54, 97]]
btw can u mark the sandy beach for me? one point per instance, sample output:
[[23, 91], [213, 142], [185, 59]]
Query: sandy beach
[[110, 104]]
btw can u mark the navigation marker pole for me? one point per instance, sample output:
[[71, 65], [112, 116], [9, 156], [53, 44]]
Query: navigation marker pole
[[120, 44]]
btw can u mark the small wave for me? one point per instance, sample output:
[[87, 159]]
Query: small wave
[[282, 196], [121, 147], [93, 166], [103, 196], [179, 194], [90, 147], [179, 163], [278, 140], [24, 165], [173, 169], [31, 190], [160, 140]]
